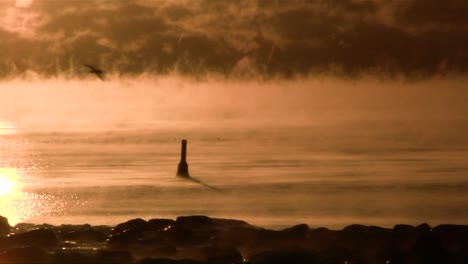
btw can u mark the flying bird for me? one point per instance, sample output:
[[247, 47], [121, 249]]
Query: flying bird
[[99, 73]]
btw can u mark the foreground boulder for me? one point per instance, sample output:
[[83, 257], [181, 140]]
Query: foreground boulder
[[4, 226], [41, 238], [281, 256], [84, 236], [201, 239], [167, 261], [24, 255], [127, 234], [93, 257]]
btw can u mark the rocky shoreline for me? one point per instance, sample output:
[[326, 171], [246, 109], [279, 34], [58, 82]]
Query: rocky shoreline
[[201, 239]]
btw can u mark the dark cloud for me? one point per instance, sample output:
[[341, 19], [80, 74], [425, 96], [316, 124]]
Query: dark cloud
[[434, 12], [236, 39]]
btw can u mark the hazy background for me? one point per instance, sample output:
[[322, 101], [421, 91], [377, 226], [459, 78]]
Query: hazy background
[[148, 102]]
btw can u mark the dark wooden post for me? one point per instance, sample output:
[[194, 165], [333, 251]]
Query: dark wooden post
[[182, 170]]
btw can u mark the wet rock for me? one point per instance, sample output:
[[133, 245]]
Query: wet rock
[[125, 238], [160, 224], [24, 255], [230, 223], [217, 255], [424, 228], [297, 232], [72, 257], [238, 237], [194, 230], [4, 226], [134, 224], [454, 238], [23, 228], [41, 238], [4, 242], [84, 236], [154, 250], [417, 245], [128, 233], [335, 255], [281, 256], [91, 257], [167, 261], [114, 257], [295, 235], [370, 243], [196, 222], [323, 238]]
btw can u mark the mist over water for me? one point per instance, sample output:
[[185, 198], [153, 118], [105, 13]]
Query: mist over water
[[321, 151]]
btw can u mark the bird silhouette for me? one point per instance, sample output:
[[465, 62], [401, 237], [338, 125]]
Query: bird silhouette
[[99, 73]]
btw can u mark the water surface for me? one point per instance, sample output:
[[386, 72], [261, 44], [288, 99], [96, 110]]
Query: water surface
[[375, 173]]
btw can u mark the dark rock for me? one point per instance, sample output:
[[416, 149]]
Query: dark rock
[[41, 238], [424, 228], [134, 224], [424, 247], [24, 255], [324, 238], [4, 242], [73, 257], [297, 232], [458, 257], [454, 238], [290, 256], [230, 223], [335, 255], [154, 250], [194, 230], [125, 238], [114, 257], [294, 235], [195, 221], [403, 239], [4, 226], [91, 257], [217, 255], [356, 229], [403, 229], [237, 237], [167, 261], [128, 233], [23, 228], [160, 224], [84, 236]]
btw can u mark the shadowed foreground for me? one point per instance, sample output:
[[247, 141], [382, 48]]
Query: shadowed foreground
[[201, 239]]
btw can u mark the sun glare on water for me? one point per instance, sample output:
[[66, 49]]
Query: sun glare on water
[[7, 183], [5, 186], [19, 205], [9, 195]]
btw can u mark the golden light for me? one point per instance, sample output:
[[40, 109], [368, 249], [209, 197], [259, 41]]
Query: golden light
[[7, 128], [23, 3], [7, 182], [17, 204], [9, 194]]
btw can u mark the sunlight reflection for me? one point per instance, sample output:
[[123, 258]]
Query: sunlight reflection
[[18, 205], [7, 128], [8, 183]]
